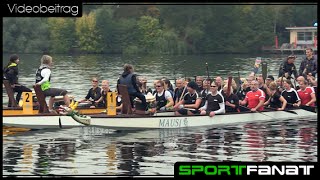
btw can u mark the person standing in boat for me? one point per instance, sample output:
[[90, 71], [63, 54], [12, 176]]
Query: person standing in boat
[[275, 101], [43, 77], [164, 98], [255, 98], [11, 73], [215, 103], [191, 101], [287, 68], [308, 65], [129, 79], [290, 95], [93, 95]]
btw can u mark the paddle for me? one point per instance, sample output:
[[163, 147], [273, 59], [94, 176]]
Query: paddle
[[256, 111], [185, 76], [264, 71], [239, 81], [307, 108], [229, 86], [174, 75], [285, 110], [256, 65], [207, 70]]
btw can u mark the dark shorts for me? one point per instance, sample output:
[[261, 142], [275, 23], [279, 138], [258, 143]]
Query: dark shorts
[[185, 111], [55, 92]]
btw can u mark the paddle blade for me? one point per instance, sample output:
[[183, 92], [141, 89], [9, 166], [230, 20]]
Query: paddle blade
[[264, 70], [256, 65]]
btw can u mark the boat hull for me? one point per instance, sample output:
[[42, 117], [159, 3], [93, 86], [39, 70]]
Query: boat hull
[[166, 122], [158, 121]]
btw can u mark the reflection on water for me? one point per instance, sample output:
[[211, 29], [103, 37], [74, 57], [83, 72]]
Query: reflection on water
[[98, 151]]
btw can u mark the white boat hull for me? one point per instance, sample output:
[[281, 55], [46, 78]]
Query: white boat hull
[[152, 122]]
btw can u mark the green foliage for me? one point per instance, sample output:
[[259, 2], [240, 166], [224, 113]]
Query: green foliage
[[28, 35], [158, 29], [61, 34], [87, 33]]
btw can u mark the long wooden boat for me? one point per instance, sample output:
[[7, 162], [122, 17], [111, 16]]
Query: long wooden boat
[[157, 121], [19, 111]]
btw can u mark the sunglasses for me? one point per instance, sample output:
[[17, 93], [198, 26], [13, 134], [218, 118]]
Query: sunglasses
[[158, 86], [213, 86], [94, 81]]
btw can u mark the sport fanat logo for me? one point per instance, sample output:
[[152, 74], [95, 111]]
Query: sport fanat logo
[[242, 169]]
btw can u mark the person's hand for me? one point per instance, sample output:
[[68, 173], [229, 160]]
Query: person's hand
[[181, 106], [163, 108], [212, 113], [295, 105], [253, 109], [228, 104]]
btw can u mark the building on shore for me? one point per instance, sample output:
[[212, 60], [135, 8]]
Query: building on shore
[[300, 39]]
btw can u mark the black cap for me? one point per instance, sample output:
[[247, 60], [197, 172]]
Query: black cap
[[270, 77], [193, 85]]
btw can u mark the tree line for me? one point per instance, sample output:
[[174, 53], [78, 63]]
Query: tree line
[[158, 29]]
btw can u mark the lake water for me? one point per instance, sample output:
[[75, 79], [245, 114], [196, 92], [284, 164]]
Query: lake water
[[97, 151]]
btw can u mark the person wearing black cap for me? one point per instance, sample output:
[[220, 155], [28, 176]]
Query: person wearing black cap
[[287, 68], [191, 101], [269, 79], [11, 74]]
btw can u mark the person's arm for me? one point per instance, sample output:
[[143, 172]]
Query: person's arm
[[314, 72], [281, 69], [177, 106], [195, 105], [301, 68], [284, 103], [98, 94], [295, 73], [168, 98], [204, 107], [313, 99], [134, 82], [45, 73], [244, 102], [261, 101], [221, 110], [267, 102]]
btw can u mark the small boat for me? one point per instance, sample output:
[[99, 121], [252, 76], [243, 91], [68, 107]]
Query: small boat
[[165, 120]]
